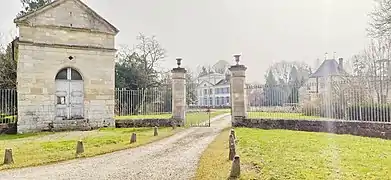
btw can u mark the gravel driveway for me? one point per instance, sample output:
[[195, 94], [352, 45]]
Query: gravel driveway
[[172, 158]]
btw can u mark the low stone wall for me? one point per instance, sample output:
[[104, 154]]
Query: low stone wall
[[9, 128], [129, 123], [72, 125], [358, 128]]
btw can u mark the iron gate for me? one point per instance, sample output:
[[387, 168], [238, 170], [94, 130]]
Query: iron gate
[[198, 103], [198, 116]]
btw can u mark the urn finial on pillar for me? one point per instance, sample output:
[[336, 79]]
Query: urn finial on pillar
[[178, 62], [237, 58]]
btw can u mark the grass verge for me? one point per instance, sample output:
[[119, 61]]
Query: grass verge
[[44, 148], [214, 163], [282, 154]]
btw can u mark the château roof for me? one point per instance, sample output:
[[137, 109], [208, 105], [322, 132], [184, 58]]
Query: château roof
[[329, 67]]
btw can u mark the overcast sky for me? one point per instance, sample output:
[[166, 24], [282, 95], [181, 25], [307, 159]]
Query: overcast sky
[[263, 31]]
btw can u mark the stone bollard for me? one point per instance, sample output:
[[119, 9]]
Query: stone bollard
[[8, 158], [233, 133], [79, 147], [235, 170], [155, 132], [232, 148], [232, 139], [133, 138], [173, 124]]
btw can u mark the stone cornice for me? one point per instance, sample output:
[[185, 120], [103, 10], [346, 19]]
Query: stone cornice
[[178, 70], [238, 68], [65, 46], [65, 28]]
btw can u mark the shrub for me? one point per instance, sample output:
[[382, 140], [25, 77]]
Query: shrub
[[369, 112]]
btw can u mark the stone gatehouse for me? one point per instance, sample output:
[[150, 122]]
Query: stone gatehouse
[[65, 74]]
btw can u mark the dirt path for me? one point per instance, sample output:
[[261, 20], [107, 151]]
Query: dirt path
[[173, 158]]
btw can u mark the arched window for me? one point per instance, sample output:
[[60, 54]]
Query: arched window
[[75, 75], [68, 74], [62, 74]]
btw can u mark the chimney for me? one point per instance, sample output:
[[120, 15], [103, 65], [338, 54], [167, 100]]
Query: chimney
[[340, 63], [227, 76]]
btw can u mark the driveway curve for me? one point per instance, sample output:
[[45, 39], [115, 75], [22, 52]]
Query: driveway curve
[[172, 158]]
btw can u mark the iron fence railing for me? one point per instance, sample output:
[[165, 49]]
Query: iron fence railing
[[152, 101], [337, 99], [8, 105]]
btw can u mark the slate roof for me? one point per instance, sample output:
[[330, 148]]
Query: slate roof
[[207, 82], [224, 81], [329, 67], [209, 73]]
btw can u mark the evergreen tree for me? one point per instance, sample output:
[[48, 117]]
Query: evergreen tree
[[8, 63], [294, 85], [271, 90]]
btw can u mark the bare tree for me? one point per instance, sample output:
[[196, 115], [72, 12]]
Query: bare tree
[[255, 95], [220, 67], [380, 23], [372, 68], [144, 59], [282, 70]]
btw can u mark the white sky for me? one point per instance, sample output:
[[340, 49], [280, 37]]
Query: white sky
[[205, 31]]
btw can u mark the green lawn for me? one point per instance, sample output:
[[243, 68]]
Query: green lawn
[[282, 154], [43, 148], [278, 115]]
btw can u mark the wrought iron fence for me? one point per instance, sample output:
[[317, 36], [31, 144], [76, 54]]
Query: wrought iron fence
[[343, 99], [153, 101], [8, 105]]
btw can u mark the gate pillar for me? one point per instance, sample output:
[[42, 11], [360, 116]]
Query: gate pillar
[[238, 95], [178, 93]]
